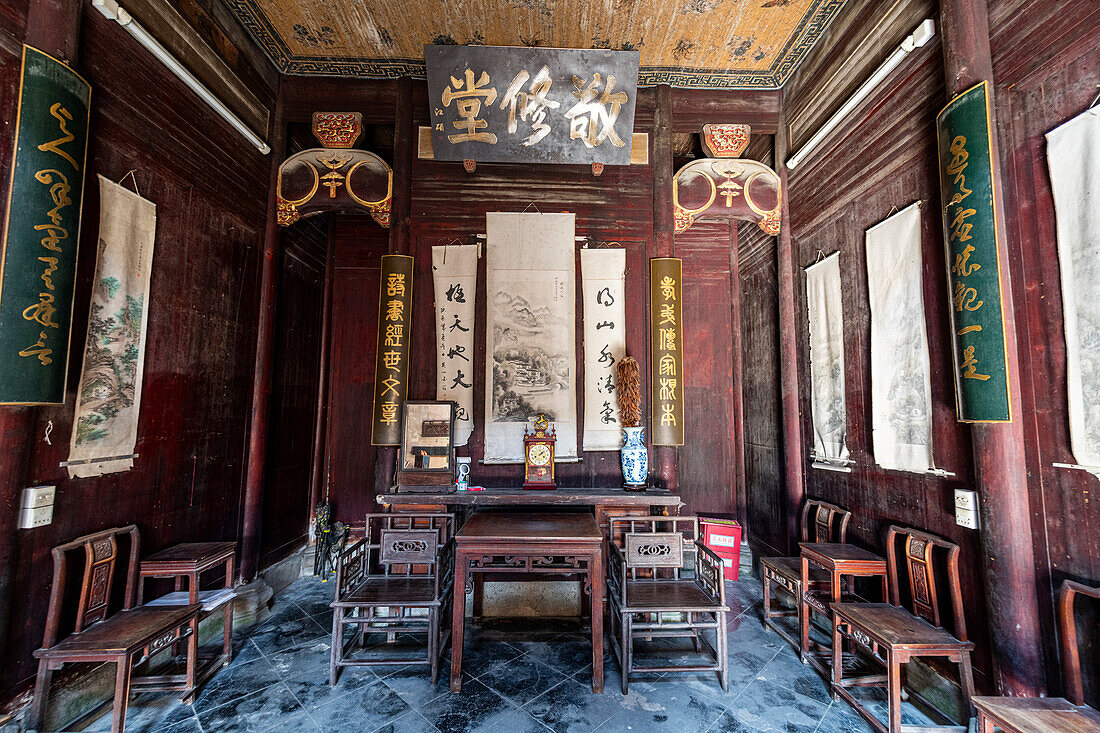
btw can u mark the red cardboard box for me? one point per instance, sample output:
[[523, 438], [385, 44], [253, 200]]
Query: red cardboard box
[[724, 537]]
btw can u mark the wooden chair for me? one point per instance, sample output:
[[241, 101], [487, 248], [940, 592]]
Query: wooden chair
[[830, 524], [127, 637], [649, 581], [405, 562], [1069, 713], [894, 635]]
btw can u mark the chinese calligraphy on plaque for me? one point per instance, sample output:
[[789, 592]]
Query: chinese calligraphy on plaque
[[532, 104], [970, 237], [666, 351], [603, 273], [42, 231], [391, 370], [454, 269]]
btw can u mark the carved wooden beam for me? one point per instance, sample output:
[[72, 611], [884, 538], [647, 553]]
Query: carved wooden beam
[[727, 188]]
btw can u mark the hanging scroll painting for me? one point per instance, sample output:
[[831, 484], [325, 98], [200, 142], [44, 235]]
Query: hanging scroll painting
[[901, 382], [530, 331], [108, 399], [827, 403], [454, 269], [603, 289], [1073, 155]]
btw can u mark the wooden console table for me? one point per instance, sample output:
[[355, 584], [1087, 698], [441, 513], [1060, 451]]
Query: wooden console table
[[532, 543]]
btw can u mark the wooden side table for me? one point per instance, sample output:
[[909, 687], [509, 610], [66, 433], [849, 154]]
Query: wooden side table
[[567, 544], [189, 560], [840, 560]]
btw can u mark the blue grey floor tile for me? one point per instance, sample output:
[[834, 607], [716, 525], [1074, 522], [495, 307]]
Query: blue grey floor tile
[[273, 707], [366, 708], [661, 706], [475, 708], [571, 707], [841, 718], [236, 680], [768, 707], [286, 628], [412, 722], [786, 670], [520, 680]]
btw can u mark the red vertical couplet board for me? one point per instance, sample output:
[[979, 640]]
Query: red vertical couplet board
[[666, 350], [391, 372], [38, 253], [971, 237]]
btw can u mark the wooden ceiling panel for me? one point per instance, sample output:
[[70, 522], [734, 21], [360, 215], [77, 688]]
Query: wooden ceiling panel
[[709, 44]]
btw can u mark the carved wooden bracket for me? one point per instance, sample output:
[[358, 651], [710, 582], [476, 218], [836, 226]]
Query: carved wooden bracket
[[336, 177], [725, 141], [726, 188]]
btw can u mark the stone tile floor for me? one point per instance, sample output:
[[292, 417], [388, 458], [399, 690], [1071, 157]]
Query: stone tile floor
[[514, 682]]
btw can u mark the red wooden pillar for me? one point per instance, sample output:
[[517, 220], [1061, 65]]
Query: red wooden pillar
[[788, 348], [52, 27], [261, 375], [739, 496], [1000, 468], [404, 150], [317, 480], [666, 468]]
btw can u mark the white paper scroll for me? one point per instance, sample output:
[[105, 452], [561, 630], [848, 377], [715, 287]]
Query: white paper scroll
[[530, 332], [827, 402], [901, 386], [454, 270], [1073, 154], [108, 401], [603, 292]]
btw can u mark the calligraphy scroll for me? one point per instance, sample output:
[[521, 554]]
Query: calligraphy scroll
[[38, 256], [108, 399], [826, 323], [454, 268], [530, 331], [901, 381], [727, 188], [532, 105], [1073, 154], [603, 291], [666, 351], [973, 261], [391, 366]]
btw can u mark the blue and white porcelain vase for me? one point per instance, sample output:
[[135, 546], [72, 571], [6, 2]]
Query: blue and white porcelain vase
[[635, 458]]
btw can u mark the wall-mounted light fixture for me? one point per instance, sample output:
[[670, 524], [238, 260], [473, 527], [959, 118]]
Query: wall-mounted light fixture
[[918, 38], [112, 10]]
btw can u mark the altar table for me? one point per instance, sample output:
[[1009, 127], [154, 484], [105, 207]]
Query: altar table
[[531, 543]]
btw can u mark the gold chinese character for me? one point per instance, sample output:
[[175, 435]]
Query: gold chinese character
[[668, 414], [590, 113], [667, 338], [392, 359], [667, 365], [668, 288], [395, 284], [957, 167], [394, 332], [970, 365], [62, 116], [668, 388], [43, 311], [389, 412], [39, 349], [960, 230], [965, 297], [468, 104], [668, 314], [531, 103], [395, 310], [963, 266], [390, 384]]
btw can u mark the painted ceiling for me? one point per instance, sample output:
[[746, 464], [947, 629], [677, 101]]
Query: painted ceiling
[[715, 44]]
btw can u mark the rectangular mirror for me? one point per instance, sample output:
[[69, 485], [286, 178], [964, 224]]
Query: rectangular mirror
[[427, 445]]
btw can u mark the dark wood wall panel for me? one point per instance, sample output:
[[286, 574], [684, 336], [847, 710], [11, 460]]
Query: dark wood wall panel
[[296, 365], [210, 189]]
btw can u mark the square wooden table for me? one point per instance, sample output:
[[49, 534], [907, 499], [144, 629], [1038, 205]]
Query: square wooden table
[[190, 560], [524, 542], [839, 560]]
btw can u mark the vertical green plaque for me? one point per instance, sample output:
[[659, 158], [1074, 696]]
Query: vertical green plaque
[[42, 231], [971, 236]]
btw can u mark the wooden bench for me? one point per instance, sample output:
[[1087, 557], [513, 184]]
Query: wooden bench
[[127, 637]]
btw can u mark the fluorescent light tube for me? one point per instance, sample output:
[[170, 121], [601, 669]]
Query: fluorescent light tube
[[112, 10], [917, 39]]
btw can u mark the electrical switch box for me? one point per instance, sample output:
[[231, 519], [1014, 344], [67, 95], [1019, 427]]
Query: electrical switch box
[[966, 508], [36, 508]]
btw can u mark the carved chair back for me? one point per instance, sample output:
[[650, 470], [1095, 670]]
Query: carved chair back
[[100, 552], [1071, 653], [655, 547], [920, 564], [824, 522], [397, 545]]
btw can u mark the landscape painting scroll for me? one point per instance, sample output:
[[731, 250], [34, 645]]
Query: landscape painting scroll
[[108, 400], [827, 402], [530, 331]]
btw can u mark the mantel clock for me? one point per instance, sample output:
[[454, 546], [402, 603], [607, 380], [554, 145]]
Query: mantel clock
[[538, 455]]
